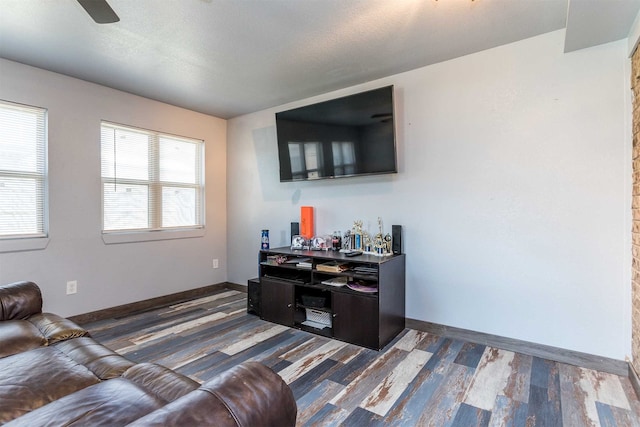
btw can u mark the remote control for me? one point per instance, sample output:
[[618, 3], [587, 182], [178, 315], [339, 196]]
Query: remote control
[[353, 253]]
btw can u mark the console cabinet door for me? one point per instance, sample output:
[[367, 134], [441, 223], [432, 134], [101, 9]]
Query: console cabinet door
[[355, 319], [277, 301]]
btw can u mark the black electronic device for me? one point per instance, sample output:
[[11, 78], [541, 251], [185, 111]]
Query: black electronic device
[[254, 297], [353, 253], [349, 136], [396, 239], [295, 229]]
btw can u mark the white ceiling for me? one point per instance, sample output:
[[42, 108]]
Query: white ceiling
[[230, 57]]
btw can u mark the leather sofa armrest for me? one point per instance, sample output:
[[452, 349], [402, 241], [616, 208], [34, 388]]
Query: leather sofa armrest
[[247, 395], [56, 328], [19, 300]]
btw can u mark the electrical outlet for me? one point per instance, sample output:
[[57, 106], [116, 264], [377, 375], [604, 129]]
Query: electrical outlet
[[215, 263], [72, 287]]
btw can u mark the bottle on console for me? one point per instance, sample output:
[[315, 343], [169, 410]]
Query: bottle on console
[[336, 241]]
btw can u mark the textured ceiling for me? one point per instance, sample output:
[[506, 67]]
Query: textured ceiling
[[230, 57]]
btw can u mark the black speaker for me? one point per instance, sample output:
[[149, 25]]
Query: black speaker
[[396, 239], [254, 297], [295, 229]]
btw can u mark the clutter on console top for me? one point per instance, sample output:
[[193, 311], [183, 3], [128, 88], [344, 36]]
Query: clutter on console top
[[354, 241]]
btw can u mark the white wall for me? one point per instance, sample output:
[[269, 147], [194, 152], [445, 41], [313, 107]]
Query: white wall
[[513, 193], [634, 36], [109, 275]]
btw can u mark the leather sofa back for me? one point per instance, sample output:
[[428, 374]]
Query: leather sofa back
[[19, 300]]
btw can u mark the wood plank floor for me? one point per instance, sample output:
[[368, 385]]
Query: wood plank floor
[[419, 379]]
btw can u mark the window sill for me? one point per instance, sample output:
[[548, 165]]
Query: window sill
[[20, 245], [148, 236]]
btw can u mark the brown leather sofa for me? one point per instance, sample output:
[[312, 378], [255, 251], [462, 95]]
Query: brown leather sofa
[[53, 373]]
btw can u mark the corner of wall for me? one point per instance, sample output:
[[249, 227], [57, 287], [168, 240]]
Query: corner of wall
[[634, 36], [635, 205]]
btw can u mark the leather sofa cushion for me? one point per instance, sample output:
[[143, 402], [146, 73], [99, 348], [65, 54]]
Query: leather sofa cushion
[[110, 403], [162, 382], [34, 378], [19, 300], [17, 336], [103, 362], [56, 328]]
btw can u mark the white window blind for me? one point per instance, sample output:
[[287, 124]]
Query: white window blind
[[23, 168], [150, 181]]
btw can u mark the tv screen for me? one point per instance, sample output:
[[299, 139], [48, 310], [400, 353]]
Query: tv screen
[[349, 136]]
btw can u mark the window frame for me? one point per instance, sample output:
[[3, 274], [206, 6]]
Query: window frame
[[155, 231], [39, 240]]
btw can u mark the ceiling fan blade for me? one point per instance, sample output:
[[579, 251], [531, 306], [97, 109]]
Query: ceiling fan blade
[[100, 11]]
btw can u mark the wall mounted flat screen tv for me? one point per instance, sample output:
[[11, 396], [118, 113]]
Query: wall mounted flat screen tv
[[349, 136]]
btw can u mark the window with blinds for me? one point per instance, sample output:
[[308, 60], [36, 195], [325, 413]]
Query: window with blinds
[[23, 171], [150, 181]]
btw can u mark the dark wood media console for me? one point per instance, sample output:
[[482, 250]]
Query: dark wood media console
[[293, 295]]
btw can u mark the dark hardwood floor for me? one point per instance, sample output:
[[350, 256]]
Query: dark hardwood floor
[[419, 379]]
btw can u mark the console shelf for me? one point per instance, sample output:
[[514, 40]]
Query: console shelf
[[358, 316]]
